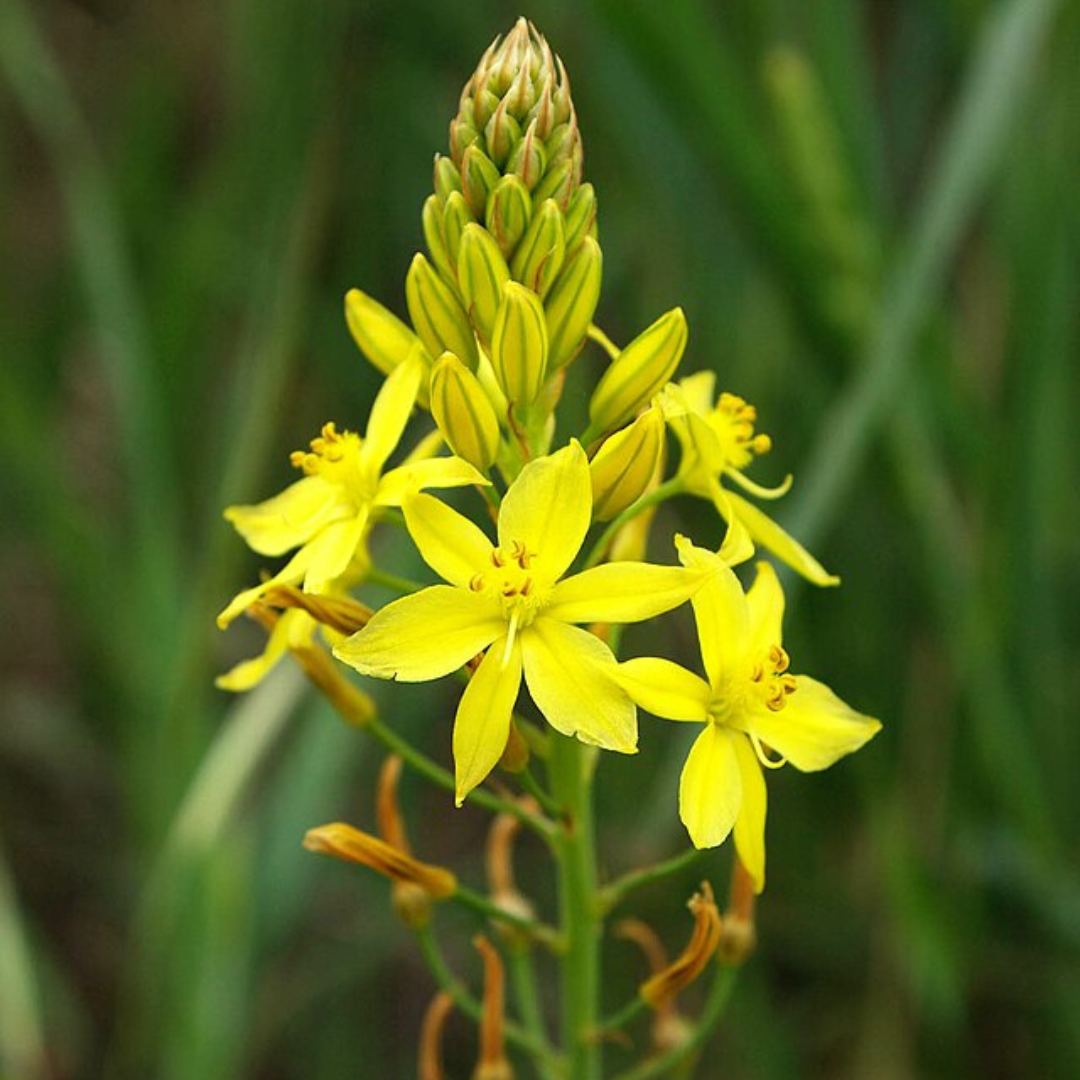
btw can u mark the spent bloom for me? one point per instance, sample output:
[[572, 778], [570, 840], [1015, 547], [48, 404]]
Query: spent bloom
[[751, 705], [325, 515], [510, 598], [718, 442]]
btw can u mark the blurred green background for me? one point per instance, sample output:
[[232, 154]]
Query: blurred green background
[[868, 211]]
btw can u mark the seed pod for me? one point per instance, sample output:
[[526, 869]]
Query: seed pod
[[508, 213], [624, 466], [463, 412], [482, 272], [519, 344], [639, 372], [539, 256], [383, 338], [438, 317], [572, 303]]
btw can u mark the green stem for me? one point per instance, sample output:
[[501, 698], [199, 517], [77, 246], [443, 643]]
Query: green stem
[[570, 767], [532, 787], [630, 1011], [669, 488], [614, 894], [523, 978], [514, 1033], [603, 341], [393, 581], [539, 931], [715, 1004], [444, 779]]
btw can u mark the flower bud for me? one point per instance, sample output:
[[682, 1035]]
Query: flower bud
[[580, 216], [478, 178], [456, 217], [482, 272], [638, 372], [508, 213], [519, 344], [625, 464], [435, 238], [383, 338], [572, 303], [447, 178], [439, 318], [463, 412], [502, 132], [539, 256], [557, 185], [528, 159]]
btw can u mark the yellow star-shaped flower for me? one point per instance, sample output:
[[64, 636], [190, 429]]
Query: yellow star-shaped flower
[[751, 705], [510, 598], [325, 514]]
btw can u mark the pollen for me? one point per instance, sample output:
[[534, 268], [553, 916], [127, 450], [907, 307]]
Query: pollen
[[329, 450], [733, 420]]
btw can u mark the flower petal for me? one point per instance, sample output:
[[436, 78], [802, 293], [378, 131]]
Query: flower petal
[[482, 725], [330, 553], [548, 508], [449, 543], [710, 791], [249, 673], [622, 592], [572, 677], [413, 476], [390, 412], [814, 728], [423, 636], [767, 534], [292, 573], [289, 518], [665, 689], [723, 619], [765, 599], [750, 824]]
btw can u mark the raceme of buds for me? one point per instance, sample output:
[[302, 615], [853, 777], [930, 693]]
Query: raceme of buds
[[571, 304], [482, 272], [463, 412], [638, 372], [382, 337], [624, 466], [519, 344], [439, 318]]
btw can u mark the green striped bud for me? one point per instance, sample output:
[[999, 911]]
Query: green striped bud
[[435, 238], [557, 185], [478, 178], [383, 338], [463, 412], [437, 315], [539, 256], [447, 177], [519, 344], [637, 373], [572, 303], [508, 213], [625, 465], [502, 133], [580, 216], [528, 159], [455, 217], [482, 272]]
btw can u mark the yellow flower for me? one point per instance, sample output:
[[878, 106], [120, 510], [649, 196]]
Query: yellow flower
[[751, 705], [325, 515], [511, 599], [719, 441]]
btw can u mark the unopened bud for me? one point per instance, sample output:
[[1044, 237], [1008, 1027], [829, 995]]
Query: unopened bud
[[528, 159], [435, 238], [638, 372], [456, 217], [478, 179], [625, 465], [580, 216], [447, 178], [463, 412], [439, 318], [519, 344], [502, 132], [509, 211], [572, 303], [557, 185], [383, 338], [482, 272], [539, 256]]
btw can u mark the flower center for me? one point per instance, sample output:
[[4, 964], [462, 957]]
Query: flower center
[[335, 456], [733, 422], [511, 582], [770, 680]]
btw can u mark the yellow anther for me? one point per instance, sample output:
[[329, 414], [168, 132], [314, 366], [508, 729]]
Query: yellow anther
[[526, 586], [497, 558], [779, 659], [476, 583]]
